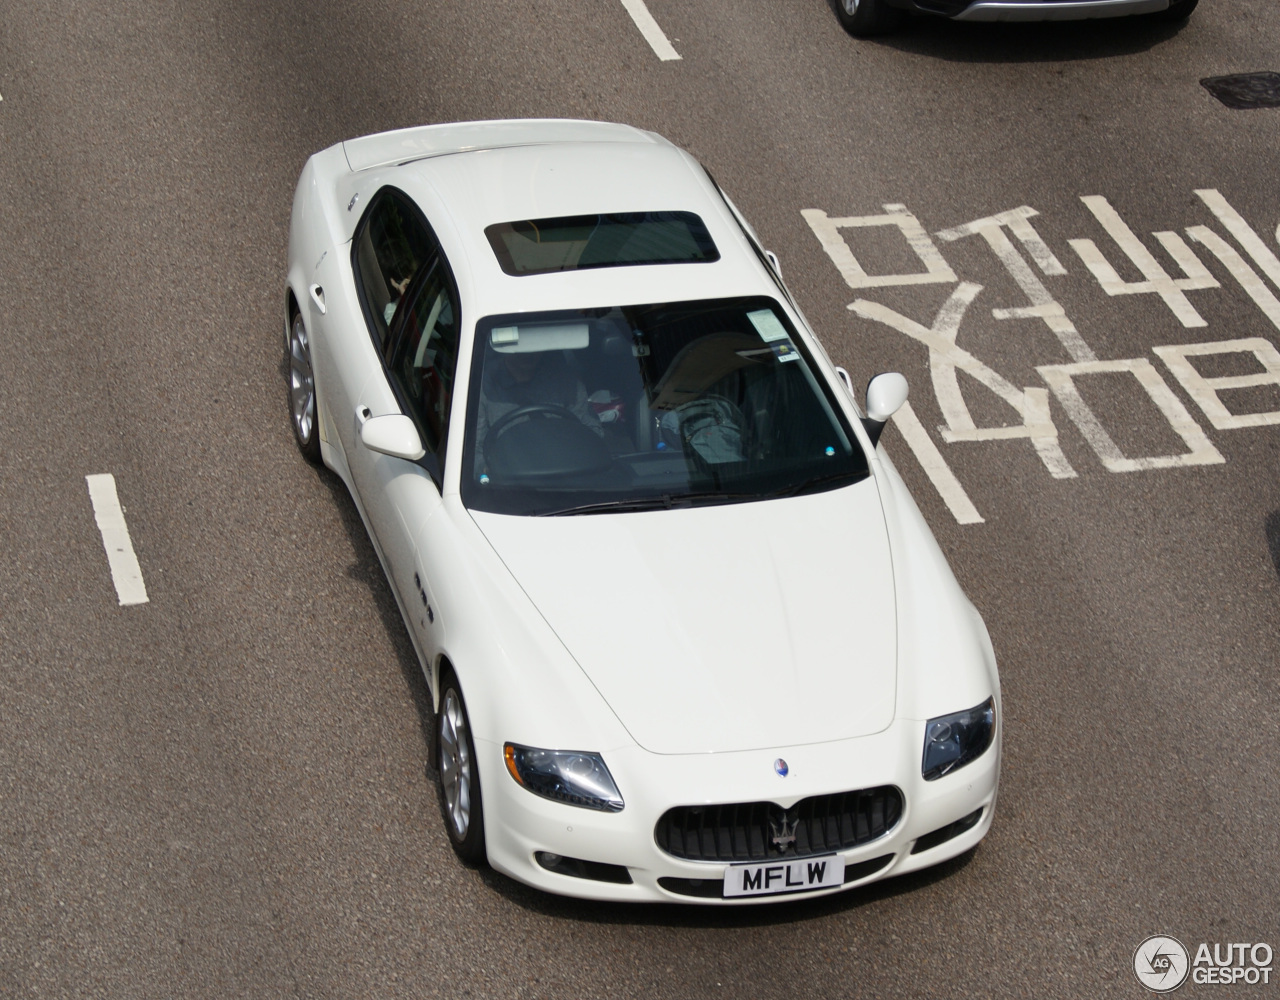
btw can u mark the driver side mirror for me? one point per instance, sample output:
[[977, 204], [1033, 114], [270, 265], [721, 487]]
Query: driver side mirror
[[392, 434], [885, 395]]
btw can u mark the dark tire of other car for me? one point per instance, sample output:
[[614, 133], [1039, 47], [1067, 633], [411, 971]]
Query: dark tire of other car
[[302, 389], [865, 18], [1178, 10], [460, 801]]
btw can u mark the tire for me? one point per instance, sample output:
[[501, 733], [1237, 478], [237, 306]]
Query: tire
[[302, 391], [1178, 10], [461, 805], [864, 18]]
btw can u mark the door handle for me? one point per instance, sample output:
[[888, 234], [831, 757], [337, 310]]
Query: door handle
[[317, 296]]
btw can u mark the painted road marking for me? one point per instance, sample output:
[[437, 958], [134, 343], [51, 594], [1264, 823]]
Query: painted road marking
[[649, 28], [1240, 270], [1061, 379], [945, 358], [126, 574], [935, 466], [827, 229], [1243, 232], [1043, 306], [1158, 281], [1204, 390], [1020, 248]]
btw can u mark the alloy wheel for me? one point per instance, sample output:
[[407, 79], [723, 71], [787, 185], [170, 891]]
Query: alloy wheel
[[455, 764], [302, 385]]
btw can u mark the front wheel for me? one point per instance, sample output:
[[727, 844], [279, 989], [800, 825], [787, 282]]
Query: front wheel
[[864, 18], [460, 801], [302, 390]]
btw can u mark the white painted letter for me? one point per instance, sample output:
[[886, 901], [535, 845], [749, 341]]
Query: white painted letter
[[1060, 380], [1158, 281], [945, 358], [935, 467], [1240, 270], [1043, 306], [1205, 390], [827, 230], [1243, 232]]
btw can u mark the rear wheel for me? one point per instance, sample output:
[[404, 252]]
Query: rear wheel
[[460, 801], [302, 390], [863, 18]]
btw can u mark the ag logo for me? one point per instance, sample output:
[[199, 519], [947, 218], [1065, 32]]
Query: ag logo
[[1161, 963]]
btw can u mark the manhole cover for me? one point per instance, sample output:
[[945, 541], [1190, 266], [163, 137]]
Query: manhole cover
[[1245, 90]]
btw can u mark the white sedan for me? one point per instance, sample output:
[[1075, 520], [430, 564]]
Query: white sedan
[[687, 634]]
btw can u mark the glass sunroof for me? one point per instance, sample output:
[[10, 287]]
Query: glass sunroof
[[580, 242]]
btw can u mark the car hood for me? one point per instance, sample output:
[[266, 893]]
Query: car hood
[[722, 628]]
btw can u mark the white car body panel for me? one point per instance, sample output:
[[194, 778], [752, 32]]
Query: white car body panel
[[405, 145], [746, 647], [673, 643]]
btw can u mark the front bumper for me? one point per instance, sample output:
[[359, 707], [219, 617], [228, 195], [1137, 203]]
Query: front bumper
[[1031, 10], [1057, 10], [519, 824]]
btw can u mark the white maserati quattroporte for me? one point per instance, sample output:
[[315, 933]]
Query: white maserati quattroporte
[[687, 635]]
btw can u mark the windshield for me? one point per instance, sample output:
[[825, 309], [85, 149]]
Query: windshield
[[635, 407]]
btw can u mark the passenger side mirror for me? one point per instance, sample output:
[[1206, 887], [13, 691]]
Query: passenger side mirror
[[885, 395], [392, 434]]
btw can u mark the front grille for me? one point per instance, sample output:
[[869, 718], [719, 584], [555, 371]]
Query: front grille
[[760, 831]]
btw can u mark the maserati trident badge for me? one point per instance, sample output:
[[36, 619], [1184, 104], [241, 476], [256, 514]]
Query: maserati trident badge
[[780, 766], [783, 834]]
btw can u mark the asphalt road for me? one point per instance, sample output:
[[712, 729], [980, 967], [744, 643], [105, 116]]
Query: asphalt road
[[221, 792]]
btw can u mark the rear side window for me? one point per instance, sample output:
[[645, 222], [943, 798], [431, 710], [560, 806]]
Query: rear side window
[[392, 245], [580, 242]]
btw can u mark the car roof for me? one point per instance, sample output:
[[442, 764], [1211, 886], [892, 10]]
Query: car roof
[[556, 173], [403, 145]]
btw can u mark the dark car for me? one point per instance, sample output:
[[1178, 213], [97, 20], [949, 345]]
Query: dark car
[[873, 17]]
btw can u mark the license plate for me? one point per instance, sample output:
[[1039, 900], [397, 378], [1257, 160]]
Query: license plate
[[784, 876]]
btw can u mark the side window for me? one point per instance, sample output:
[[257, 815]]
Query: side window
[[391, 245], [425, 356]]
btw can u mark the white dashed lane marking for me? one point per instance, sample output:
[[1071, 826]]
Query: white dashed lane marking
[[649, 28], [126, 574]]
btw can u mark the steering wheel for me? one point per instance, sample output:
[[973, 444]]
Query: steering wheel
[[546, 450], [505, 421]]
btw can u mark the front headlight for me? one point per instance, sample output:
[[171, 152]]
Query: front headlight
[[576, 779], [952, 741]]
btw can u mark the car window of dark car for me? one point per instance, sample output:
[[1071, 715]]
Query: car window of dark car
[[424, 355], [390, 246]]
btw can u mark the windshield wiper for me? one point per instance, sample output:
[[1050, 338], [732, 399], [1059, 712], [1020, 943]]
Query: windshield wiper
[[811, 484], [666, 501]]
